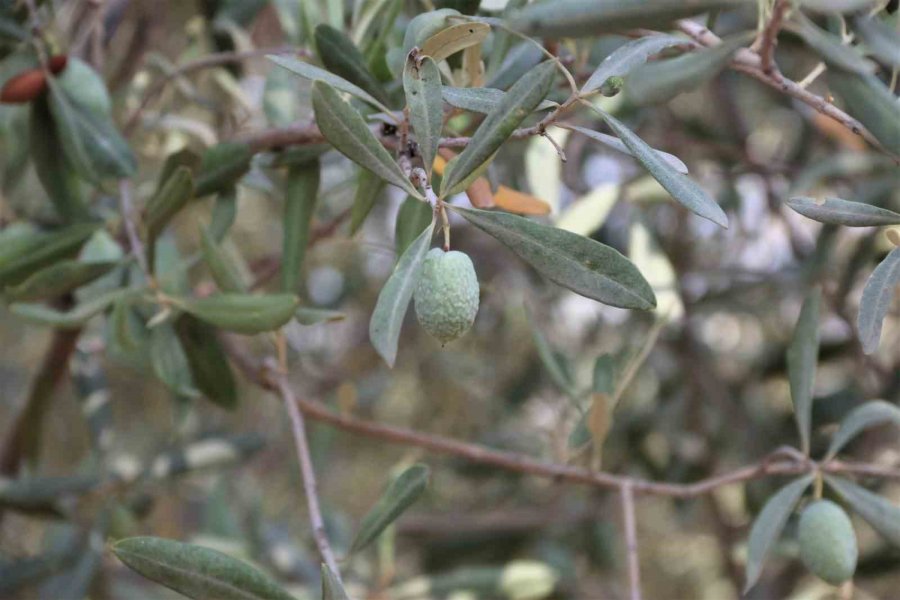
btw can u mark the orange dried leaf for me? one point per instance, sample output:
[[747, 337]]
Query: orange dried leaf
[[519, 202]]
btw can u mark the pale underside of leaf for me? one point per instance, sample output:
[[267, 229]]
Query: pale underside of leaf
[[876, 300], [834, 211]]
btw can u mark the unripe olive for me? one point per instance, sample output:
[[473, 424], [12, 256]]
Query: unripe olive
[[446, 294], [827, 542]]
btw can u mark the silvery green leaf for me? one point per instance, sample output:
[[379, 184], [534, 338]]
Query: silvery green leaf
[[684, 190], [481, 100], [882, 41], [870, 414], [422, 84], [400, 494], [876, 299], [628, 56], [195, 571], [300, 200], [834, 211], [831, 49], [314, 73], [616, 144], [341, 57], [575, 262], [802, 358], [387, 318], [768, 525], [345, 128], [870, 101]]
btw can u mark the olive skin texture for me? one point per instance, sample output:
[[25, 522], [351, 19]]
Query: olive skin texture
[[827, 542], [446, 295]]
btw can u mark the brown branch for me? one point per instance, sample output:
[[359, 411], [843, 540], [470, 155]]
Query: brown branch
[[631, 545], [749, 62], [769, 39], [310, 487]]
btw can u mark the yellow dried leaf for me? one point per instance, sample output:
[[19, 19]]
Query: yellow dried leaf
[[520, 202], [473, 66], [599, 422], [453, 39]]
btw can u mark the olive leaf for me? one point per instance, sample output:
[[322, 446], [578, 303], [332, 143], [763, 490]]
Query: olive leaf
[[628, 56], [41, 314], [580, 18], [300, 199], [882, 41], [207, 361], [170, 362], [660, 81], [830, 48], [451, 40], [682, 188], [172, 195], [224, 272], [314, 73], [616, 144], [345, 128], [393, 301], [332, 588], [834, 211], [242, 313], [90, 141], [58, 279], [870, 414], [518, 103], [481, 99], [412, 219], [341, 56], [881, 514], [802, 357], [422, 84], [400, 494], [34, 251], [195, 571], [575, 262], [876, 299], [768, 525], [221, 166], [368, 190]]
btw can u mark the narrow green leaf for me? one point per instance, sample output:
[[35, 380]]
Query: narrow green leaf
[[422, 84], [481, 100], [882, 515], [660, 81], [243, 313], [830, 48], [870, 101], [345, 128], [420, 28], [41, 314], [331, 587], [368, 190], [57, 176], [224, 272], [604, 380], [616, 144], [90, 141], [221, 166], [312, 316], [341, 57], [580, 18], [313, 73], [768, 526], [802, 357], [207, 360], [628, 56], [518, 103], [172, 195], [169, 361], [387, 318], [300, 155], [836, 6], [551, 360], [35, 251], [834, 211], [882, 40], [223, 214], [195, 571], [870, 414], [300, 198], [412, 219], [400, 494], [876, 299], [582, 265], [58, 279], [685, 191]]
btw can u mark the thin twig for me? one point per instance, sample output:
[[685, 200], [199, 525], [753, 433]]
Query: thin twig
[[298, 428], [631, 545], [769, 39]]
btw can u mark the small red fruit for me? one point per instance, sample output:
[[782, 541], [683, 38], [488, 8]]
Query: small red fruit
[[57, 63], [24, 87]]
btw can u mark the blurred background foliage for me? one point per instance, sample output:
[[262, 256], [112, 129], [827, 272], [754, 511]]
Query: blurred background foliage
[[712, 394]]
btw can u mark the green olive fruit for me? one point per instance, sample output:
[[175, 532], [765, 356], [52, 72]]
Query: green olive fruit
[[446, 294], [827, 542]]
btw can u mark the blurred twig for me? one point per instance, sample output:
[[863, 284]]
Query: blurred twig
[[631, 545]]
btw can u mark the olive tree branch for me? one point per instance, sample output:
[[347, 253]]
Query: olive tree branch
[[769, 39], [750, 63], [310, 487], [626, 495]]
